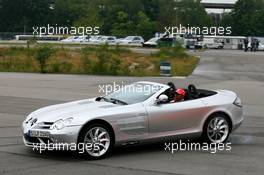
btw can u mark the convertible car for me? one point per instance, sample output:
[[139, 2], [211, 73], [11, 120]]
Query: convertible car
[[137, 113]]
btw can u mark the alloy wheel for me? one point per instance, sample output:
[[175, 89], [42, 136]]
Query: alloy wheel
[[218, 130], [97, 141]]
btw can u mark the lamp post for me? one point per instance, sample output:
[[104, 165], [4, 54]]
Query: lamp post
[[24, 18], [176, 9], [102, 9]]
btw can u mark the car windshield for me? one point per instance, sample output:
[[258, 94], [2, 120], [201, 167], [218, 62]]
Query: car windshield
[[129, 38], [153, 39], [134, 93], [71, 37]]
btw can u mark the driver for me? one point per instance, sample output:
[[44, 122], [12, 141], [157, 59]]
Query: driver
[[179, 95], [171, 91]]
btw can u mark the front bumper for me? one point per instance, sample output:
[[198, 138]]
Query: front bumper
[[65, 136], [237, 116], [237, 125]]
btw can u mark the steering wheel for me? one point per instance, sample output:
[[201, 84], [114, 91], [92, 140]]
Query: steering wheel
[[193, 91]]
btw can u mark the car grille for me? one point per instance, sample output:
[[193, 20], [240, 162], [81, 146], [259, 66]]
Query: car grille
[[31, 139], [37, 140]]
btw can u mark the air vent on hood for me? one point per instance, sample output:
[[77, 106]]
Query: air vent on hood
[[85, 102], [107, 106]]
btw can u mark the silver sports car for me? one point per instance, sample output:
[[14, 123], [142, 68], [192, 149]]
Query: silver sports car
[[137, 113]]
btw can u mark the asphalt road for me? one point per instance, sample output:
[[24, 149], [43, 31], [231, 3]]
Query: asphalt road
[[233, 70]]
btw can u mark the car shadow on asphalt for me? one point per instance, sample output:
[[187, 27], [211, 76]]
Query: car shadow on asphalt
[[118, 152]]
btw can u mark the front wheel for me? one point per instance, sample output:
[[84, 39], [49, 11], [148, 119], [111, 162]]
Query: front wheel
[[97, 141], [216, 129]]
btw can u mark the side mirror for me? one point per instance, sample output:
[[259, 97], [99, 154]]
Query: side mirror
[[98, 98], [162, 99]]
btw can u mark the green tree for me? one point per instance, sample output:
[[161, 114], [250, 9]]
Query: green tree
[[243, 17], [152, 8], [191, 12], [122, 26], [258, 23], [121, 18], [22, 15], [90, 19], [166, 15], [145, 27]]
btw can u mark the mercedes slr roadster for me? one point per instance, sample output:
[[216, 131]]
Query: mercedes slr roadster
[[137, 113]]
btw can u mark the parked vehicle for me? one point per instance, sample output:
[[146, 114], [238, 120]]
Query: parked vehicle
[[70, 39], [35, 37], [131, 40], [261, 47], [153, 42], [190, 41], [76, 39], [95, 39], [211, 43], [229, 42], [107, 40], [81, 39]]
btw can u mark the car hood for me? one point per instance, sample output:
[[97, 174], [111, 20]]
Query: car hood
[[228, 93], [71, 109], [151, 42]]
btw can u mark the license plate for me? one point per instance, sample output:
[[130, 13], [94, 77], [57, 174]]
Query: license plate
[[33, 133]]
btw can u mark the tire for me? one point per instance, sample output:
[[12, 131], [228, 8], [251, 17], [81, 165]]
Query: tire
[[216, 129], [99, 141]]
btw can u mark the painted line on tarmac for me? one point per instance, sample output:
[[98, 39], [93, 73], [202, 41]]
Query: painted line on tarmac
[[9, 127], [179, 77], [228, 72]]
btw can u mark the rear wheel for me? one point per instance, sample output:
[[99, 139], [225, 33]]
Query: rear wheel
[[216, 129], [97, 141]]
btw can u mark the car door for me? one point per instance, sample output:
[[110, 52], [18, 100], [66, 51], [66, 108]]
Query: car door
[[136, 40], [111, 40], [173, 117], [132, 122]]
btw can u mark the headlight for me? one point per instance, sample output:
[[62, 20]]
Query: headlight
[[60, 124], [28, 119], [238, 102]]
